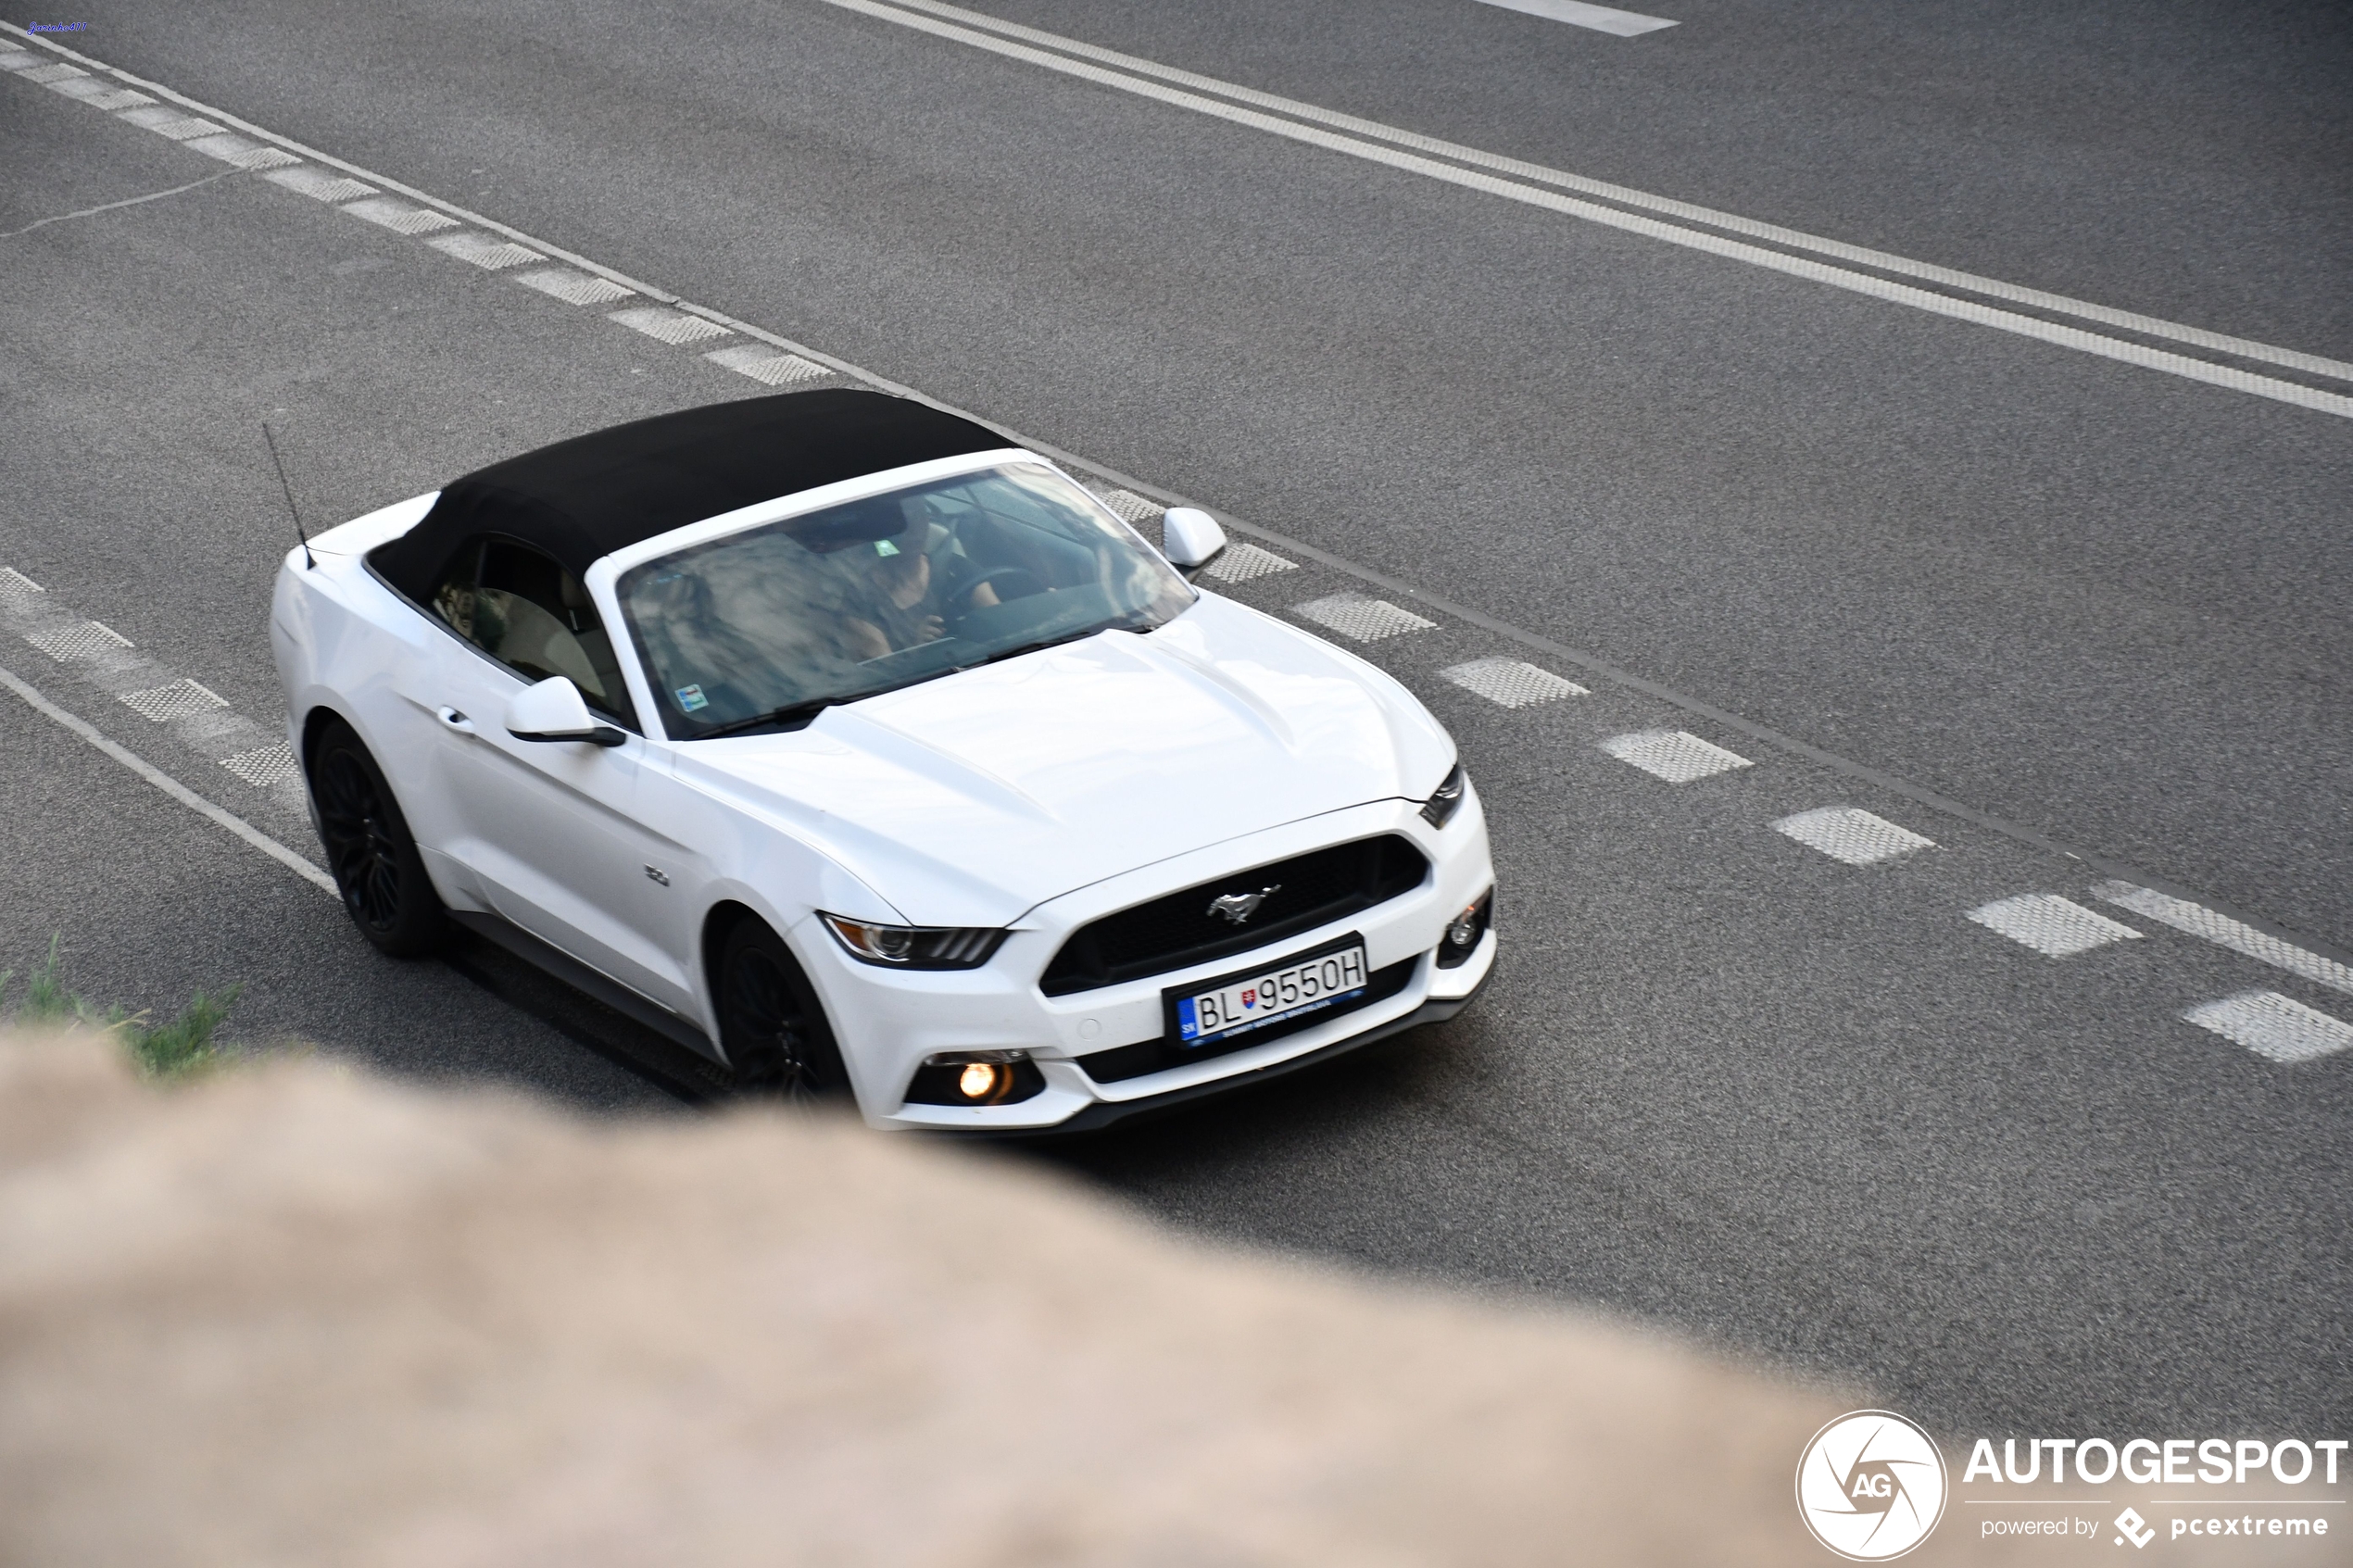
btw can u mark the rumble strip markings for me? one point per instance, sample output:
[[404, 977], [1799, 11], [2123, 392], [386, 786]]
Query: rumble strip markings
[[2055, 927], [1365, 619], [2049, 923], [2223, 931], [1677, 756], [1511, 682], [172, 786], [2277, 1027], [1846, 833], [199, 718]]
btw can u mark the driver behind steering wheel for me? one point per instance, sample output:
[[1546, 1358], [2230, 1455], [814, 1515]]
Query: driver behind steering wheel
[[912, 581]]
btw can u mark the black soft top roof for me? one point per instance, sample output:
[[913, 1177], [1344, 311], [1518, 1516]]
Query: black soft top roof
[[581, 499]]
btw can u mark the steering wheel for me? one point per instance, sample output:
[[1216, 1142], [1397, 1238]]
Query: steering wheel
[[1002, 574]]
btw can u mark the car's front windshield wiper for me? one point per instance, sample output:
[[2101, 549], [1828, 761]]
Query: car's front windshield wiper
[[1125, 623], [783, 715], [812, 706]]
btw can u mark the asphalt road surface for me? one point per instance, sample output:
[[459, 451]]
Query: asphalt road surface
[[2017, 577]]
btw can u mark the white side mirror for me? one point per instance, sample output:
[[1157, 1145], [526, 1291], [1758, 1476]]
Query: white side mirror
[[554, 709], [1189, 536]]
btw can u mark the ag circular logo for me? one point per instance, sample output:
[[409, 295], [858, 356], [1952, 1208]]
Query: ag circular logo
[[1870, 1486]]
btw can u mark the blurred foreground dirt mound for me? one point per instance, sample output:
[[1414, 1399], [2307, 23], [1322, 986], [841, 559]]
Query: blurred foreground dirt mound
[[295, 1316]]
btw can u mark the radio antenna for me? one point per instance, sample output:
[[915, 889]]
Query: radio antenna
[[275, 462]]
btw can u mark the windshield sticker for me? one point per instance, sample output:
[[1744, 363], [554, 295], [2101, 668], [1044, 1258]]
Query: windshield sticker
[[885, 548], [691, 697]]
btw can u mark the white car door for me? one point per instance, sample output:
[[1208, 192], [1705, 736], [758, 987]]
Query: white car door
[[554, 832]]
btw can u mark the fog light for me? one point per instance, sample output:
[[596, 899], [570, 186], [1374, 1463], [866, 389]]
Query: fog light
[[1465, 931], [974, 1078]]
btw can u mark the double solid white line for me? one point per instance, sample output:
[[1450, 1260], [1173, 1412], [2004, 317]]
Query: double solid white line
[[1535, 186]]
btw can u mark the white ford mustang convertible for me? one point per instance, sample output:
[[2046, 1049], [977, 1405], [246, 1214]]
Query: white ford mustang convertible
[[860, 751]]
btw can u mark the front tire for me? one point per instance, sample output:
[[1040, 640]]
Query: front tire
[[770, 1024], [370, 849]]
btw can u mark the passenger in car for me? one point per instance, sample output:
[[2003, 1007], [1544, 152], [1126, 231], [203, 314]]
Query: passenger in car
[[523, 610]]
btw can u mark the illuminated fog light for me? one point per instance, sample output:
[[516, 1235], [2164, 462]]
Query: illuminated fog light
[[975, 1078]]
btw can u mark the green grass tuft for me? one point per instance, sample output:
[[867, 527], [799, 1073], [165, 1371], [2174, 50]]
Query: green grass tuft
[[186, 1044], [175, 1050]]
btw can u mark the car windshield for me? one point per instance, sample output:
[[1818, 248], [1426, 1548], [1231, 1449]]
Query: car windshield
[[761, 629]]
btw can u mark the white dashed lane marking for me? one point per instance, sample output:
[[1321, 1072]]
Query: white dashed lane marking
[[1676, 756], [318, 185], [1513, 683], [1846, 833], [1575, 13], [1131, 507], [573, 288], [1243, 562], [173, 787], [81, 639], [2054, 926], [265, 766], [181, 699], [2224, 932], [242, 154], [100, 94], [486, 251], [1363, 618], [165, 121], [768, 366], [198, 717], [400, 217], [660, 321], [2275, 1026]]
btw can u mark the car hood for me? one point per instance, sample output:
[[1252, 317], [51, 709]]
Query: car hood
[[970, 799]]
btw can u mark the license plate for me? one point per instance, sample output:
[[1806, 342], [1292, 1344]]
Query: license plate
[[1238, 1003]]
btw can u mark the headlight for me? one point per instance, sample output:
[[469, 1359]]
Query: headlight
[[914, 947], [1446, 799]]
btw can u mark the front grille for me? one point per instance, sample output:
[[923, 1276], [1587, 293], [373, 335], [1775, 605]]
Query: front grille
[[1178, 929], [1122, 1062]]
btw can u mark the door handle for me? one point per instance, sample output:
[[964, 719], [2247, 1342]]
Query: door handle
[[454, 720]]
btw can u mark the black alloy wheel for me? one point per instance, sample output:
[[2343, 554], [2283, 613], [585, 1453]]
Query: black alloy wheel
[[374, 861], [770, 1024]]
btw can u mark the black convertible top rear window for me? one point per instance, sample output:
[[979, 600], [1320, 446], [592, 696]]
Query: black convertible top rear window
[[583, 499]]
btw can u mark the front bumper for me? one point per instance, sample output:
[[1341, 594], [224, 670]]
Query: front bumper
[[1437, 1009], [889, 1022]]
